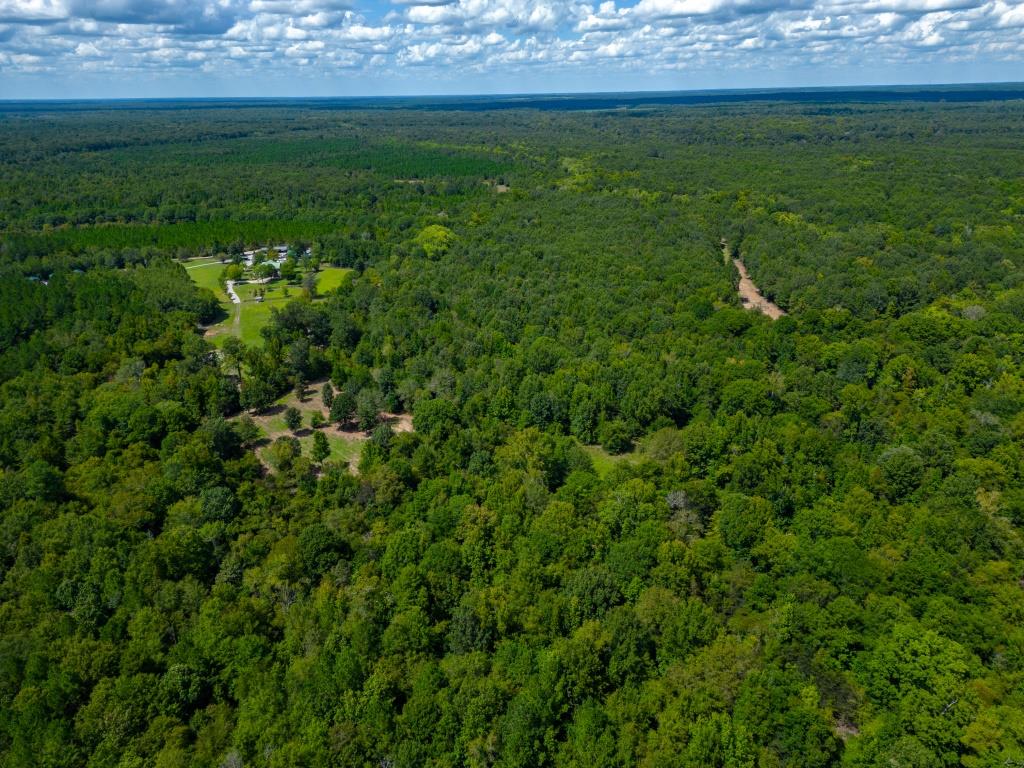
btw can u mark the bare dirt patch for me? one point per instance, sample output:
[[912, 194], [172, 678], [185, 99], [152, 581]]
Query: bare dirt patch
[[750, 294], [400, 422]]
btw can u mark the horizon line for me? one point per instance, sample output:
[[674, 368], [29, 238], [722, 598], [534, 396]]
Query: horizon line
[[529, 94]]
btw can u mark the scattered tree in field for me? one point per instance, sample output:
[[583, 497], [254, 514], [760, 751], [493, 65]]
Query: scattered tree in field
[[327, 395], [367, 408], [283, 452], [321, 447], [343, 408], [309, 281], [233, 272], [293, 418], [233, 350]]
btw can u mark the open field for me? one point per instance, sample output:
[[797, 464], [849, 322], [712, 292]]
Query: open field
[[246, 319], [206, 274], [331, 278]]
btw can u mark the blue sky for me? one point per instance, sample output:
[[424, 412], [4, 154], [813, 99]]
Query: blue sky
[[164, 48]]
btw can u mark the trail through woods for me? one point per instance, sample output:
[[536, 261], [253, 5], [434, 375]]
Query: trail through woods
[[750, 295]]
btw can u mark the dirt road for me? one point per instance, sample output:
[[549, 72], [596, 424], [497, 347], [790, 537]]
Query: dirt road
[[750, 295]]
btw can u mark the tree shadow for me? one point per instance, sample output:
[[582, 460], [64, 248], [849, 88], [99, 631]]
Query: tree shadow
[[216, 317]]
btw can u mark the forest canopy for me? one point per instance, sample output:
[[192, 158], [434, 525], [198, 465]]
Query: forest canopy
[[598, 512]]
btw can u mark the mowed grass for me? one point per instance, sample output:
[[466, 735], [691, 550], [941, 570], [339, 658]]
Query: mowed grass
[[254, 315], [190, 263], [206, 274], [332, 278]]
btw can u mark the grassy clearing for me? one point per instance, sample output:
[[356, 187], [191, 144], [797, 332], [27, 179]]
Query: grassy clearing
[[253, 315], [345, 446], [207, 275], [332, 278], [605, 462]]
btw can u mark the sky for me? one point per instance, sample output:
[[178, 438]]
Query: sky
[[189, 48]]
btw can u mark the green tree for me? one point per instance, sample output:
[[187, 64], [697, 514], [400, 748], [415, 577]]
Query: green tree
[[902, 470], [367, 408], [743, 521], [233, 350], [283, 452], [321, 447], [615, 436], [248, 431], [256, 394], [309, 284], [289, 270], [293, 418], [343, 408]]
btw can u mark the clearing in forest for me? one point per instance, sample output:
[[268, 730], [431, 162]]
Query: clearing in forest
[[750, 295], [246, 318], [346, 443]]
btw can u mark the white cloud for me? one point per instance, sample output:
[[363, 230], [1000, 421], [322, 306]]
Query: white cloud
[[664, 9], [29, 11], [298, 7], [254, 37], [1009, 15]]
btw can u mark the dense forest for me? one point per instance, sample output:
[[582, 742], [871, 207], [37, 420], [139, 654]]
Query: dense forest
[[634, 523]]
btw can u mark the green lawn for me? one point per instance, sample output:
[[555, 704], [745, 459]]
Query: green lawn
[[344, 449], [255, 315], [190, 263], [331, 278], [208, 276]]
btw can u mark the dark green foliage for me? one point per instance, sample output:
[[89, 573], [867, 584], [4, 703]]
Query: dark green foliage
[[256, 394], [327, 395], [343, 407], [292, 418], [319, 549], [321, 447], [800, 547], [614, 436]]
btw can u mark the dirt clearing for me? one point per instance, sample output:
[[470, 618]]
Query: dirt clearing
[[750, 294]]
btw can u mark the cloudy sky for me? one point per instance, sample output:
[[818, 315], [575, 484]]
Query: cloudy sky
[[95, 48]]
